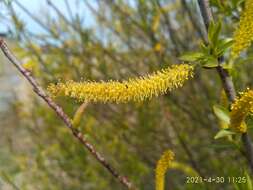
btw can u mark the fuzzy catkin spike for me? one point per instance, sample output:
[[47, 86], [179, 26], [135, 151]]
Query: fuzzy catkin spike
[[162, 166], [243, 35], [240, 109], [136, 90]]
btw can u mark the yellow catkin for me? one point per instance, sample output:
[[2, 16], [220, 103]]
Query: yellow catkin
[[243, 35], [136, 90], [162, 166], [239, 111]]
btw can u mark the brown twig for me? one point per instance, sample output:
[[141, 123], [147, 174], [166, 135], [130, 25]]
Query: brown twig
[[77, 134], [226, 79]]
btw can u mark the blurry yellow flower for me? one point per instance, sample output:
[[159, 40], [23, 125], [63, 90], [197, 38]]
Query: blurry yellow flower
[[243, 35], [240, 109], [156, 21], [121, 92], [162, 166], [31, 65], [158, 47]]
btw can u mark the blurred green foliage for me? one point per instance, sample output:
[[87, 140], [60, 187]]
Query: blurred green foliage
[[128, 38]]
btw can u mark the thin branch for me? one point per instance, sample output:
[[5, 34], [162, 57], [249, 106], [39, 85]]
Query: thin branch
[[192, 19], [61, 15], [188, 151], [35, 19], [69, 10], [226, 79], [205, 12], [172, 33], [77, 134]]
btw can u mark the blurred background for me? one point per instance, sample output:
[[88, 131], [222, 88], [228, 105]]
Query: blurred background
[[103, 40]]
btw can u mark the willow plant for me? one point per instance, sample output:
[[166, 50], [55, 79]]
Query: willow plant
[[216, 51], [161, 82]]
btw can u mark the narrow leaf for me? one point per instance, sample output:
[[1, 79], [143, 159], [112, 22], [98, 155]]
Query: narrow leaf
[[223, 133], [249, 181], [221, 113], [191, 56], [78, 115], [216, 33]]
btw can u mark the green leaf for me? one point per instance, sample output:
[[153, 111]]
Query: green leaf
[[205, 48], [210, 62], [210, 65], [224, 45], [216, 33], [223, 133], [249, 181], [221, 113], [227, 66], [217, 3], [213, 32], [78, 115], [239, 2], [191, 56]]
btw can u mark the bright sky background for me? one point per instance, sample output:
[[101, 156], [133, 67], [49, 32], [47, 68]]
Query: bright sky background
[[38, 7]]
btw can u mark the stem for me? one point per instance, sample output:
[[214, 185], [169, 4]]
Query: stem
[[59, 111], [226, 79]]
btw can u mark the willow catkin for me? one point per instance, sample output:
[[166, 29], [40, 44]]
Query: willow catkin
[[240, 109], [243, 35], [162, 166], [136, 90]]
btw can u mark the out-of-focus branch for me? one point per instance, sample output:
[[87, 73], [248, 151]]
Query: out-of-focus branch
[[61, 15], [77, 134], [69, 10], [226, 79], [172, 33], [192, 19], [187, 150], [44, 26]]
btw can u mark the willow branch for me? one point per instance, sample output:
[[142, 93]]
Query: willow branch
[[59, 111], [226, 79]]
